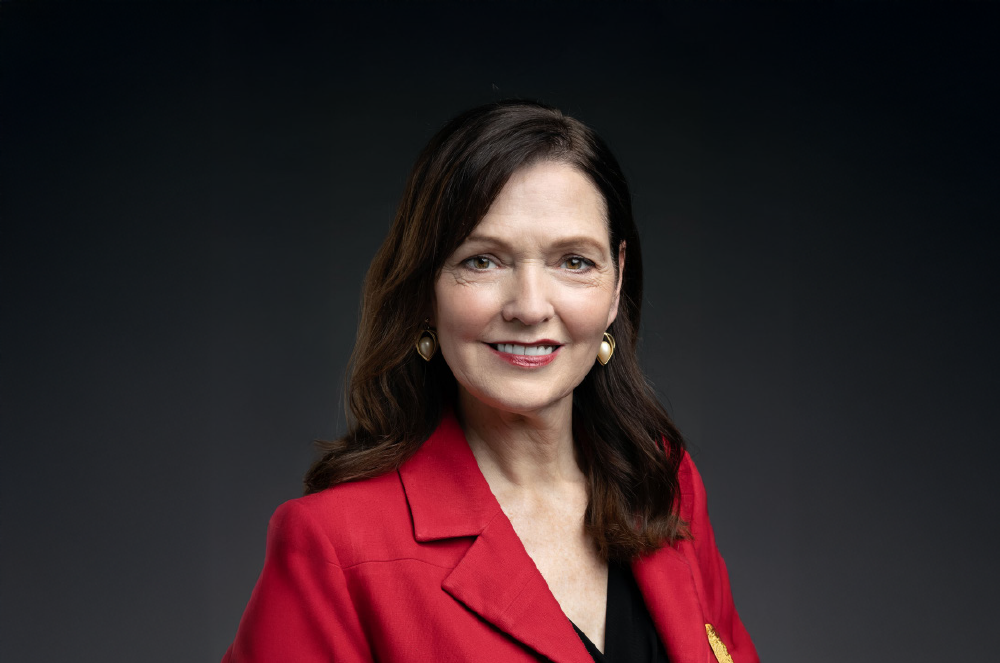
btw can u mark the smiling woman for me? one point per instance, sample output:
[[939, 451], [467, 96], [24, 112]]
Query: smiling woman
[[538, 292], [521, 494]]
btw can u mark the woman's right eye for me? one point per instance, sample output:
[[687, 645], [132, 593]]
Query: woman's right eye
[[480, 263]]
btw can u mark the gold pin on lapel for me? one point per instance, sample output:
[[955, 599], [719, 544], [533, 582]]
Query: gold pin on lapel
[[718, 646]]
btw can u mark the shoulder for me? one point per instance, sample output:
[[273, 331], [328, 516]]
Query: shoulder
[[710, 574], [349, 523], [689, 483], [693, 498]]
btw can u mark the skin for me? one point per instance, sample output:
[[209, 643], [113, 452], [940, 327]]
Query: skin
[[537, 267]]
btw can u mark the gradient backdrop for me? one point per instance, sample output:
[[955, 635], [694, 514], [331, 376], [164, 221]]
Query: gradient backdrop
[[191, 193]]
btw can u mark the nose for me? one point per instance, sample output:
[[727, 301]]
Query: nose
[[528, 298]]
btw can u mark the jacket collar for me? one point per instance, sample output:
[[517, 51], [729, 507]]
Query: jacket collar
[[447, 494], [449, 498]]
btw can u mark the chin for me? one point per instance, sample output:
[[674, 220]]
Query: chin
[[524, 402]]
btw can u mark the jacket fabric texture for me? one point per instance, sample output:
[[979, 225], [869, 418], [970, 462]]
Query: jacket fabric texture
[[422, 564]]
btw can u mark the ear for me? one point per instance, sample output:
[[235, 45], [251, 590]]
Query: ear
[[613, 313]]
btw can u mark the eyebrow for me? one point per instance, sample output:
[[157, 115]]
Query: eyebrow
[[561, 243]]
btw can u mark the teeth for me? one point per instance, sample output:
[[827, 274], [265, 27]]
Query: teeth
[[529, 350]]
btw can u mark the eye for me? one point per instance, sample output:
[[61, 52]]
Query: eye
[[480, 263], [577, 264]]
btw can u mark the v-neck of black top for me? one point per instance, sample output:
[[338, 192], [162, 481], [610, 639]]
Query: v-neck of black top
[[629, 633]]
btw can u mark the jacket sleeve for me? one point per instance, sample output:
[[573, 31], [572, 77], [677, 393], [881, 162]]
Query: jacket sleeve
[[715, 591], [300, 609]]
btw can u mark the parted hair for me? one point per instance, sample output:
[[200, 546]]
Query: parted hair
[[629, 448]]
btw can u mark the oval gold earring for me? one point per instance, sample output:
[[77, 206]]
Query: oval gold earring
[[606, 350], [427, 344]]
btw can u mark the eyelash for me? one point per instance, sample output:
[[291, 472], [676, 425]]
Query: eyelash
[[584, 263]]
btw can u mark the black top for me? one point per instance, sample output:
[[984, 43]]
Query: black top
[[629, 634]]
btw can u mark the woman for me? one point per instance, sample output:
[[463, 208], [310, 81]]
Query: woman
[[510, 489]]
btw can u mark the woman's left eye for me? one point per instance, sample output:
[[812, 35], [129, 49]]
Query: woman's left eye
[[576, 263]]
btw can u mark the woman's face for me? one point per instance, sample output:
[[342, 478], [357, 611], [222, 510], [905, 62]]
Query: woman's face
[[521, 307]]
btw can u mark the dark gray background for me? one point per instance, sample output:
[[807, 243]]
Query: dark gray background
[[191, 193]]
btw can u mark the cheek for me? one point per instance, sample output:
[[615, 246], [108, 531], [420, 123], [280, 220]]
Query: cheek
[[586, 313], [462, 311]]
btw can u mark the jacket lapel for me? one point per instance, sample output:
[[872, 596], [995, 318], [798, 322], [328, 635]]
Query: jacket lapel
[[668, 586], [496, 579]]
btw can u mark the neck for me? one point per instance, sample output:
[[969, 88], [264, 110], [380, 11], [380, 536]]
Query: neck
[[521, 451]]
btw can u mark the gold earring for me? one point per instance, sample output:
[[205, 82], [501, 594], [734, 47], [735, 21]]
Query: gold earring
[[606, 350], [427, 344]]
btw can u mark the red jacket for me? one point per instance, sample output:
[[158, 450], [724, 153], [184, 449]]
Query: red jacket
[[422, 565]]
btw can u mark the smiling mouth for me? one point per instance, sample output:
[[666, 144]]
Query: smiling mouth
[[527, 350]]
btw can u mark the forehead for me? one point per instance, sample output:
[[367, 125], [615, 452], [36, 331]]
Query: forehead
[[547, 198]]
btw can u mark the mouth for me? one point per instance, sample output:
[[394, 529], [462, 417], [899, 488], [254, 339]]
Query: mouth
[[534, 350]]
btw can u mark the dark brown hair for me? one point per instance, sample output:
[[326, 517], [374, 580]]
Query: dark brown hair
[[628, 446]]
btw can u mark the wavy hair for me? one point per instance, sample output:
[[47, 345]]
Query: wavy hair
[[630, 450]]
